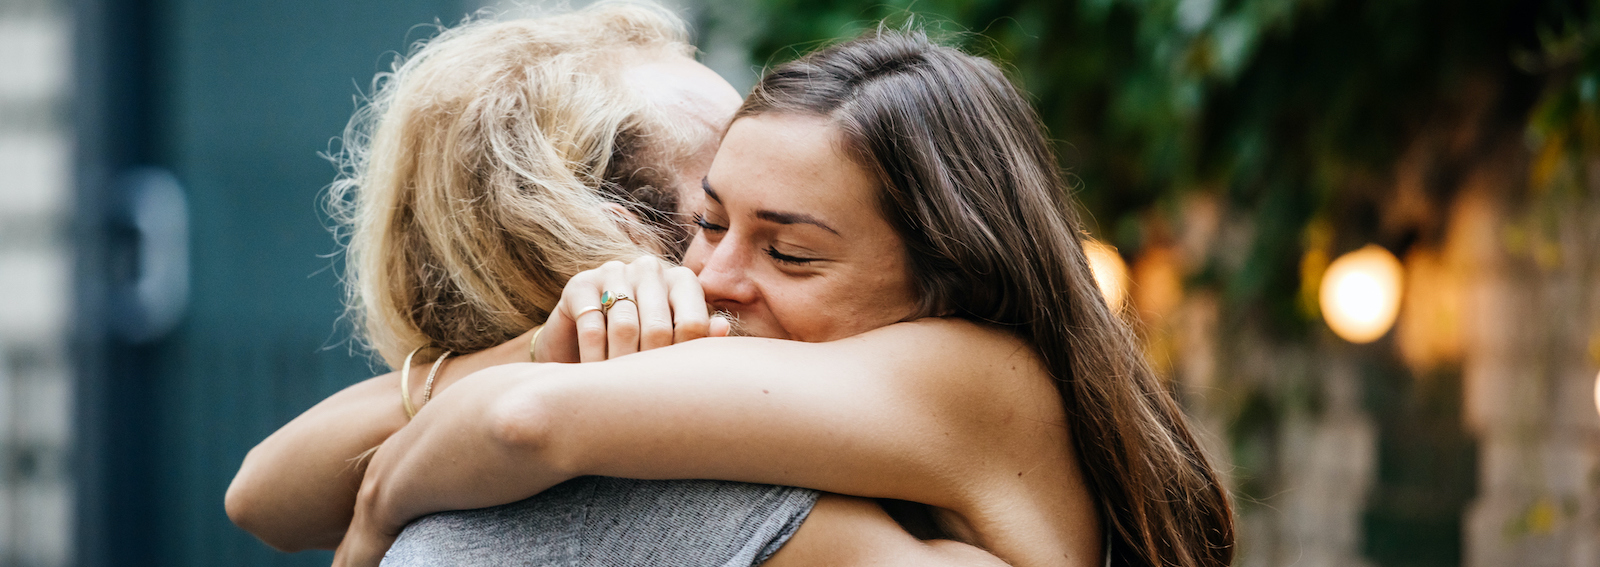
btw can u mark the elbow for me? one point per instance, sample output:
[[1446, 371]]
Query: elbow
[[522, 424], [239, 504], [247, 508]]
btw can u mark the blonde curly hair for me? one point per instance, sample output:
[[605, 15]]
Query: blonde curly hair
[[475, 178]]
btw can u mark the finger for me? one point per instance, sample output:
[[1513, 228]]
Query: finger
[[690, 320], [655, 312], [622, 329], [721, 326], [580, 304], [622, 319]]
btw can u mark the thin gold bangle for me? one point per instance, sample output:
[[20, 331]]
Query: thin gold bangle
[[427, 388], [532, 354], [405, 384]]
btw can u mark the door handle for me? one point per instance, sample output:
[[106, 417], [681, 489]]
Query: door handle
[[149, 223]]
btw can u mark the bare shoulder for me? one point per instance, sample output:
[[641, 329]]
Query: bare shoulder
[[845, 530], [971, 361], [950, 331], [949, 346]]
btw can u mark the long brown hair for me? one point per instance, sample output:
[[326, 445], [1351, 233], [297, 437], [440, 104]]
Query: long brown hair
[[974, 189]]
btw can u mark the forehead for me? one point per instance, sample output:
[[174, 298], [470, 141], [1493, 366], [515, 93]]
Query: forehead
[[698, 101], [683, 88], [792, 163]]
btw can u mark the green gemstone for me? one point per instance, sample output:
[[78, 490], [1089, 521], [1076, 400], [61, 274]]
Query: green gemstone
[[606, 299]]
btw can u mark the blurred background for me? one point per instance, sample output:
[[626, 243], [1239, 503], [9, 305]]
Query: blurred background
[[1360, 237]]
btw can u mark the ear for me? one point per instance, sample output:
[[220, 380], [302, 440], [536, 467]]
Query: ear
[[629, 222]]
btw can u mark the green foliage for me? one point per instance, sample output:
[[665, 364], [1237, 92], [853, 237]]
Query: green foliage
[[1298, 116], [1294, 112]]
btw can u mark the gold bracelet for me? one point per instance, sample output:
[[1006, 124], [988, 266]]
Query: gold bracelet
[[405, 384], [427, 388], [533, 342]]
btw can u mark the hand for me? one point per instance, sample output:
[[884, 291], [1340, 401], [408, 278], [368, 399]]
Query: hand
[[401, 481], [361, 548], [666, 306], [365, 542]]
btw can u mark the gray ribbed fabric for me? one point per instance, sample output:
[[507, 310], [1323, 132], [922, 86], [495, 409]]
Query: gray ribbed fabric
[[603, 521]]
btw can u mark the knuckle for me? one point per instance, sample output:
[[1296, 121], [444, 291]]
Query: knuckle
[[657, 331], [679, 273], [587, 280], [591, 332], [693, 328]]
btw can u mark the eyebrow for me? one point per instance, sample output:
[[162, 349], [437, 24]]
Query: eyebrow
[[705, 183], [773, 216]]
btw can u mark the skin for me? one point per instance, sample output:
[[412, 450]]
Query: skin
[[959, 416], [694, 95], [806, 264], [296, 490]]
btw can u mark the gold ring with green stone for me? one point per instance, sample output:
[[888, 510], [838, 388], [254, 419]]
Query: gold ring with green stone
[[610, 298]]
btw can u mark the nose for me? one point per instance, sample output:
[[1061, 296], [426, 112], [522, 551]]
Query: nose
[[725, 274]]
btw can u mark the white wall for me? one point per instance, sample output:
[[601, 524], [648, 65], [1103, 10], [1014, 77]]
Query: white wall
[[35, 283]]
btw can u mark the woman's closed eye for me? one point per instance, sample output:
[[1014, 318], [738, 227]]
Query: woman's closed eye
[[708, 226], [787, 259], [700, 221]]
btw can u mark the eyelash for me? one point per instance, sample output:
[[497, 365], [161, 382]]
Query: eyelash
[[787, 259], [700, 221]]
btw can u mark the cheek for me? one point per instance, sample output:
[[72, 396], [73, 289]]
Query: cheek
[[893, 296], [844, 307], [808, 314], [890, 296]]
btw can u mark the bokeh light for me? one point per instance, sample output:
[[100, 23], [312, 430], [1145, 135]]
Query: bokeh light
[[1110, 272], [1360, 294]]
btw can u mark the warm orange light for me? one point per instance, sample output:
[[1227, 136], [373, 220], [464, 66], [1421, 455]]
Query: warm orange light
[[1110, 272], [1360, 294]]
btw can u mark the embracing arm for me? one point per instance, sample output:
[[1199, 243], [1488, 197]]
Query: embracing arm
[[911, 411], [296, 489]]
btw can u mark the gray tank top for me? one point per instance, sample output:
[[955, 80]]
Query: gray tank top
[[603, 521]]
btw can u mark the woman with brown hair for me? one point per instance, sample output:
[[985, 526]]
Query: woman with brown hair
[[893, 207], [496, 161]]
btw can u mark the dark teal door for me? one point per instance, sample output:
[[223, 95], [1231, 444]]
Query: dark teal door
[[233, 98]]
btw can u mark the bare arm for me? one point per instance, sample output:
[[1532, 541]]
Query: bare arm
[[296, 489], [844, 531], [912, 411]]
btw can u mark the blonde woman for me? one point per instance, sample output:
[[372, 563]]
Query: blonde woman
[[496, 162]]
